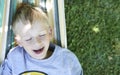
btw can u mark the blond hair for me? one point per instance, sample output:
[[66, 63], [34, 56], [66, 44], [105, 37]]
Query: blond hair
[[27, 13]]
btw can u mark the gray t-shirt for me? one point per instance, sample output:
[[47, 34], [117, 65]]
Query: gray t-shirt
[[61, 62]]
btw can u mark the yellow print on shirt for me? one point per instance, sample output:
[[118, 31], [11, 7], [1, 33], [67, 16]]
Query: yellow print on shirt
[[33, 73]]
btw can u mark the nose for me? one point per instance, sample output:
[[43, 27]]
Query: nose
[[37, 42]]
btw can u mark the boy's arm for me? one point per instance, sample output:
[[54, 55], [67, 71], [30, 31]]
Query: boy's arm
[[5, 68]]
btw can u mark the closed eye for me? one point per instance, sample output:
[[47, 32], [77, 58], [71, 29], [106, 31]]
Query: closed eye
[[42, 35], [28, 39]]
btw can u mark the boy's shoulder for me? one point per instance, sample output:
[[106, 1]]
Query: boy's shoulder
[[65, 52], [15, 51], [67, 56]]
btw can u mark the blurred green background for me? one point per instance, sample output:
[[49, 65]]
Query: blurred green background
[[93, 34]]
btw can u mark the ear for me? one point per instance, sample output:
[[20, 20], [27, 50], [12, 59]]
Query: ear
[[17, 40], [50, 31], [18, 43]]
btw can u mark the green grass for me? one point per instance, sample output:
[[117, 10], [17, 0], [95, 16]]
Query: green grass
[[93, 33]]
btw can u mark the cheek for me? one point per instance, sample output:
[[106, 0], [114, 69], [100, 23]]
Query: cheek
[[48, 37], [26, 46], [28, 49], [45, 39]]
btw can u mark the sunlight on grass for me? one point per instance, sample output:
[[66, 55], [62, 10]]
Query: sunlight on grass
[[110, 57], [96, 29]]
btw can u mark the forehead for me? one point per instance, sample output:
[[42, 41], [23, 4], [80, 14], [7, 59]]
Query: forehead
[[28, 28]]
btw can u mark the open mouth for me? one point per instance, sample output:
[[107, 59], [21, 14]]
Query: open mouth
[[39, 50]]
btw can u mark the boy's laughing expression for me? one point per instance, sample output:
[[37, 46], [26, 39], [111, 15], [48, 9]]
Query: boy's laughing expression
[[34, 38]]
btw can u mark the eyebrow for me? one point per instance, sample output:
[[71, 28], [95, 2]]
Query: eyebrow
[[43, 32]]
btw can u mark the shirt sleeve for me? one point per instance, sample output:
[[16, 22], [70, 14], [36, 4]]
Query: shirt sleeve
[[76, 67], [5, 68]]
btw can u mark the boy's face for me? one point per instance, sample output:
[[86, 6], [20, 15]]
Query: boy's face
[[35, 39]]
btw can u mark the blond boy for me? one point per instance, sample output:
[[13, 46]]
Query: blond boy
[[35, 55]]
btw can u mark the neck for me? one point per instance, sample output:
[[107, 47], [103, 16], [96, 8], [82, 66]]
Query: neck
[[50, 50]]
